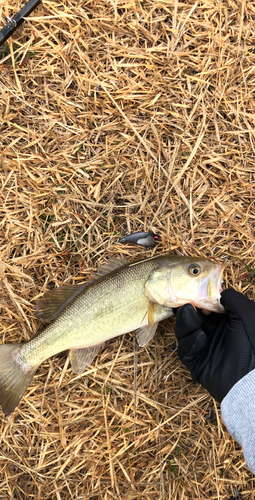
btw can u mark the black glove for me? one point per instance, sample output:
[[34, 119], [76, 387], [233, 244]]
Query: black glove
[[218, 349]]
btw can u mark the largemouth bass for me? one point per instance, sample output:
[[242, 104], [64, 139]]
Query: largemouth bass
[[123, 297]]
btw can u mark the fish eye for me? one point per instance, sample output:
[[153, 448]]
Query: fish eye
[[194, 269]]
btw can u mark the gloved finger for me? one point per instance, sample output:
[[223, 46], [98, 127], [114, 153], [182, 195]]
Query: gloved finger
[[200, 312], [241, 312], [190, 348], [175, 310], [237, 302], [187, 321]]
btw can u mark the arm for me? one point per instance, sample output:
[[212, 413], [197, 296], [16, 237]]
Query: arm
[[219, 351], [238, 414]]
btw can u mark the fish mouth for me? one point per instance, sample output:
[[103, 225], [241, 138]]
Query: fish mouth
[[211, 300]]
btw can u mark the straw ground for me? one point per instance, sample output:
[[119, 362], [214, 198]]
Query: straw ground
[[116, 117]]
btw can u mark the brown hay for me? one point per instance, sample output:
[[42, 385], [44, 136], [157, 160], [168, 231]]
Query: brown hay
[[118, 117]]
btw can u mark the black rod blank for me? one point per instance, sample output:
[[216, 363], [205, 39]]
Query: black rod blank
[[17, 20]]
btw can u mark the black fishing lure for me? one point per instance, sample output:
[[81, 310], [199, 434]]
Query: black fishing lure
[[147, 240]]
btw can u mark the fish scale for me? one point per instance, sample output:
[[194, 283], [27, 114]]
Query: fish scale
[[123, 297], [111, 307]]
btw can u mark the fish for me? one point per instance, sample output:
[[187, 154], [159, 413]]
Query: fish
[[122, 298], [147, 240]]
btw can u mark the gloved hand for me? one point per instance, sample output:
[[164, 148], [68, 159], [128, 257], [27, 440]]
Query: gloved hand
[[218, 349]]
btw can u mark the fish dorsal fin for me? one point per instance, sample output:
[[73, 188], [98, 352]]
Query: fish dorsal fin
[[53, 302], [111, 265], [145, 334], [81, 359]]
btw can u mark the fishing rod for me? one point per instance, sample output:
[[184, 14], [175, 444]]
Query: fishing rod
[[17, 20]]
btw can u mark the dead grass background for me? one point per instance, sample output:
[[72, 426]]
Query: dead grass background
[[115, 117]]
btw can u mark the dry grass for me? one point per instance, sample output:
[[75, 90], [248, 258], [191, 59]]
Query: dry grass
[[118, 117]]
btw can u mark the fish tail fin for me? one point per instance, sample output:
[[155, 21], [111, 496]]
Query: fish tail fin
[[15, 377]]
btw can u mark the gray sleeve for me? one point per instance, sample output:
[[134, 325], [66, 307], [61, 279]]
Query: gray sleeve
[[238, 414]]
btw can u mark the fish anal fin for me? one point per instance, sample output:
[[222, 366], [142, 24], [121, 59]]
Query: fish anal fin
[[14, 377], [145, 334], [81, 359]]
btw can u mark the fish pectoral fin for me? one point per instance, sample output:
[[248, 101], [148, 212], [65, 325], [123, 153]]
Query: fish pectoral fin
[[81, 359], [145, 334], [151, 314], [53, 302]]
